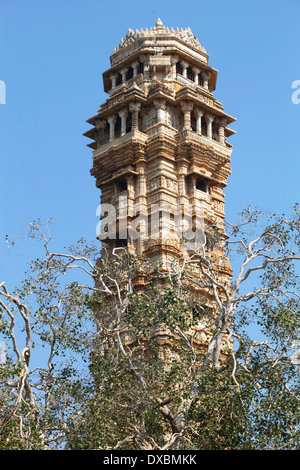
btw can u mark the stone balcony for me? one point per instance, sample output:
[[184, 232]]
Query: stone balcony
[[160, 129], [192, 136], [131, 136]]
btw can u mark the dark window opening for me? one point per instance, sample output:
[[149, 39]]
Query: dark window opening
[[118, 127], [129, 73], [215, 131], [200, 79], [179, 68], [140, 68], [121, 185], [201, 311], [190, 73], [121, 243], [151, 73], [160, 219], [201, 184], [128, 123], [193, 122], [140, 123], [104, 135], [203, 127], [119, 79], [197, 312]]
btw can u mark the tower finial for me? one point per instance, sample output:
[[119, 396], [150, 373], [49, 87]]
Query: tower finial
[[159, 23]]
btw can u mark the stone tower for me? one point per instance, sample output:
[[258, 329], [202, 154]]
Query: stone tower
[[159, 145]]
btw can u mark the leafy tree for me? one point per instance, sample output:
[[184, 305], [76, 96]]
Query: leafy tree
[[194, 360]]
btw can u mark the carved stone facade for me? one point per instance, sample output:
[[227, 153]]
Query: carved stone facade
[[160, 147], [159, 141]]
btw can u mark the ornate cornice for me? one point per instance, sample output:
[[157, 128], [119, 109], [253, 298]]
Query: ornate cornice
[[184, 35]]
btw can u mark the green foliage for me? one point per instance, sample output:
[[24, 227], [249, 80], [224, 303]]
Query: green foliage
[[125, 355]]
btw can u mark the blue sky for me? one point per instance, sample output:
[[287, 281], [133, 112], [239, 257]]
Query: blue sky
[[52, 55]]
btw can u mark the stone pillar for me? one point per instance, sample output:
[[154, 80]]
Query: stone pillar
[[130, 187], [199, 113], [181, 185], [144, 59], [135, 68], [112, 121], [193, 183], [123, 114], [187, 107], [113, 78], [222, 125], [183, 197], [196, 71], [206, 75], [141, 200], [160, 106], [141, 187], [173, 68], [134, 108], [184, 66], [146, 70], [209, 120], [123, 73]]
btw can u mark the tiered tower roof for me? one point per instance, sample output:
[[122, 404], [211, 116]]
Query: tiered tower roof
[[159, 32]]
